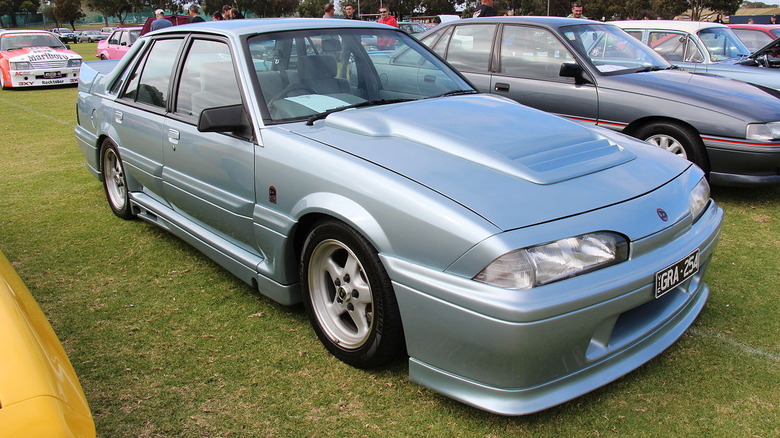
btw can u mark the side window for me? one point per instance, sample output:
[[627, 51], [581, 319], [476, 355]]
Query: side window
[[149, 83], [675, 47], [470, 45], [114, 38], [441, 47], [532, 53], [124, 40], [208, 79], [635, 33]]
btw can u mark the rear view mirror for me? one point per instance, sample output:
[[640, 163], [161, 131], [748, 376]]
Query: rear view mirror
[[224, 119], [574, 70]]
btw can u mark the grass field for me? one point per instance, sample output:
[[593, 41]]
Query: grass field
[[167, 344]]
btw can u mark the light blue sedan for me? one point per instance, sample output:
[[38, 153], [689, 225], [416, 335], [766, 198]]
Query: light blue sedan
[[516, 258]]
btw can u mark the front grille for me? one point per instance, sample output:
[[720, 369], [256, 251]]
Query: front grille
[[50, 64]]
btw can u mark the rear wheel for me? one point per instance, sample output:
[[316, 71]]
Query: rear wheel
[[115, 181], [349, 298], [677, 139]]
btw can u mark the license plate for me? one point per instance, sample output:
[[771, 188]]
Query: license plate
[[52, 74], [671, 277]]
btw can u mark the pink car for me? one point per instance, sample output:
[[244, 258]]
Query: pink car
[[118, 43]]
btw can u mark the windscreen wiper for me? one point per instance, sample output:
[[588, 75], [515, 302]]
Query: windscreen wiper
[[375, 102], [455, 93], [647, 69]]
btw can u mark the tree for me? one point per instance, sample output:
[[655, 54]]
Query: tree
[[726, 7], [13, 7], [311, 8], [111, 8], [48, 14], [68, 11]]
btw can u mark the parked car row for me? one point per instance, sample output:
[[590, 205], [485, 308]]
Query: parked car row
[[516, 258], [596, 73]]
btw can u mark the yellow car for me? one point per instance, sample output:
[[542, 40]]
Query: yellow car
[[40, 395]]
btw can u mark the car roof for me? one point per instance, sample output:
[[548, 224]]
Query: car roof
[[686, 26], [755, 26], [264, 25], [27, 31], [552, 22]]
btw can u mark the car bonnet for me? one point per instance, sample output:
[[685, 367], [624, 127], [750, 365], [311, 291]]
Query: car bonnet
[[33, 54], [748, 102], [497, 157]]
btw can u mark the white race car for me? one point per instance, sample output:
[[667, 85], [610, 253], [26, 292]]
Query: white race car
[[31, 58]]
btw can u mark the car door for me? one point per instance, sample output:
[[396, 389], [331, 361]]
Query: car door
[[209, 176], [139, 115], [527, 70]]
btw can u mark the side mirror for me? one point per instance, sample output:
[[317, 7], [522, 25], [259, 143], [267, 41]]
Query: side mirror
[[224, 119], [574, 70]]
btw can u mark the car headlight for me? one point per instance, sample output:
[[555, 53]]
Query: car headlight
[[74, 63], [763, 131], [526, 268], [699, 198], [21, 66]]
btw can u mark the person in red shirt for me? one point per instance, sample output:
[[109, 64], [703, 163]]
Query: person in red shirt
[[386, 18]]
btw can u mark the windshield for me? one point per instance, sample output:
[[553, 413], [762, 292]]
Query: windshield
[[310, 72], [22, 40], [722, 44], [611, 50]]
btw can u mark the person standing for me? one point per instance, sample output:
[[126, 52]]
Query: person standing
[[576, 11], [485, 9], [194, 12], [160, 22], [386, 18], [329, 10], [350, 13]]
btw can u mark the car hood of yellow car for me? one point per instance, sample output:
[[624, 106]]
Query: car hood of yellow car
[[39, 390]]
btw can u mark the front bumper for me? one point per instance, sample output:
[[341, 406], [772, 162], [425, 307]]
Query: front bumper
[[526, 351], [44, 77], [741, 163]]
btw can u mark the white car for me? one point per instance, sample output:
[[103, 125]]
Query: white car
[[703, 47]]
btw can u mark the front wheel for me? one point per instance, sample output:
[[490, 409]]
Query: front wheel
[[115, 181], [676, 139], [349, 298]]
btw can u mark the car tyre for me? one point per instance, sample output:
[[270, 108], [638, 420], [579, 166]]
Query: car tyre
[[115, 181], [349, 298], [677, 139]]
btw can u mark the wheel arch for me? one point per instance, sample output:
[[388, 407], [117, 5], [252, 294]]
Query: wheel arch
[[638, 124], [321, 206]]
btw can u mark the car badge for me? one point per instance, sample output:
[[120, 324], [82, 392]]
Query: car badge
[[662, 214]]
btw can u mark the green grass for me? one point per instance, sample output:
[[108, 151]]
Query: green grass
[[168, 344]]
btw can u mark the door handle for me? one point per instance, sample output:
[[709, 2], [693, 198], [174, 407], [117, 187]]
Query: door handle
[[173, 138], [118, 115], [501, 87]]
